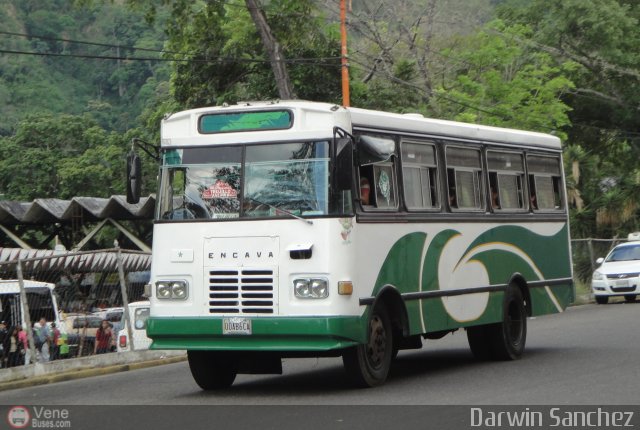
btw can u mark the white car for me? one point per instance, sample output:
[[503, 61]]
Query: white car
[[618, 274], [138, 312]]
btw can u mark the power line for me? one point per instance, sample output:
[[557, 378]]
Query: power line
[[82, 42], [317, 61]]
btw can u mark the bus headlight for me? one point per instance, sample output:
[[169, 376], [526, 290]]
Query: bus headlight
[[311, 288], [597, 276], [163, 290], [172, 290], [179, 290]]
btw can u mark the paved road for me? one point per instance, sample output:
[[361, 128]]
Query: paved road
[[587, 355]]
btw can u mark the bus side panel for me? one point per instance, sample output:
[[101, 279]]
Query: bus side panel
[[512, 249], [448, 313], [551, 299], [401, 269], [472, 256]]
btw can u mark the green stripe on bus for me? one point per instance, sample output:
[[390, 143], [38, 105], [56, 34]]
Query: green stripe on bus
[[268, 333], [503, 251]]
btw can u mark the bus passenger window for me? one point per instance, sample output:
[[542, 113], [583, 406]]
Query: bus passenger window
[[545, 182], [506, 180], [464, 178], [378, 186], [420, 176]]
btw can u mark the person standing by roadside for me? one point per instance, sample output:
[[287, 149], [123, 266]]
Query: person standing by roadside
[[43, 339], [103, 338], [54, 348], [13, 347], [3, 335], [22, 335]]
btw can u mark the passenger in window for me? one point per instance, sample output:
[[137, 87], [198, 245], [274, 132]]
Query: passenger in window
[[495, 199], [533, 201], [365, 192], [453, 201]]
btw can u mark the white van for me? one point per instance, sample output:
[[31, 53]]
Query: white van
[[138, 312], [40, 299]]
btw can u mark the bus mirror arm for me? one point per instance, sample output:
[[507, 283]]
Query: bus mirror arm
[[343, 168], [134, 168], [134, 173]]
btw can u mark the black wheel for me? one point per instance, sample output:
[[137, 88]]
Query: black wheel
[[478, 341], [504, 340], [368, 364], [630, 298], [212, 370], [509, 337], [602, 300]]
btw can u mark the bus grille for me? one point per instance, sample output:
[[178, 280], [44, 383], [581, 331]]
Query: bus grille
[[241, 291]]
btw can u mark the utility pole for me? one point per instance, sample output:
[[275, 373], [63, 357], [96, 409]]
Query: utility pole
[[343, 53], [274, 50]]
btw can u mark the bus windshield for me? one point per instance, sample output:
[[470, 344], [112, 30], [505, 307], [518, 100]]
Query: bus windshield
[[255, 181]]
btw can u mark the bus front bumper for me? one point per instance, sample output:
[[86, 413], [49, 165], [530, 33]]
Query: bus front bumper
[[267, 334]]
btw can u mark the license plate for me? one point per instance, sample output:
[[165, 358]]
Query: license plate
[[622, 283], [236, 325]]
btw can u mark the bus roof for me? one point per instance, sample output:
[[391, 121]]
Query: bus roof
[[416, 123], [312, 118], [13, 286]]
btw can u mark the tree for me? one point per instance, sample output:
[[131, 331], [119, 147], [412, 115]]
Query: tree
[[601, 36], [501, 82], [396, 48], [273, 49], [63, 157], [226, 60]]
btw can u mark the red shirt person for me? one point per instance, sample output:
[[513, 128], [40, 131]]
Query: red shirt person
[[103, 338]]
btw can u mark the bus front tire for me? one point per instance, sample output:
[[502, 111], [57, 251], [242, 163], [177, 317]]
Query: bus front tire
[[368, 364], [504, 340], [212, 370], [602, 300], [630, 298]]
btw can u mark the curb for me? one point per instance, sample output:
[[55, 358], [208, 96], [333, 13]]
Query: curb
[[86, 373]]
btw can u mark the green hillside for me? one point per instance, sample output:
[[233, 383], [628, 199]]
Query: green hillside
[[62, 76]]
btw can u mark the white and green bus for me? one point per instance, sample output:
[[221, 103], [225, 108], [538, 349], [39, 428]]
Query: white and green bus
[[296, 229]]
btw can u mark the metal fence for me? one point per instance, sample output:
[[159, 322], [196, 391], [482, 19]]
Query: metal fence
[[57, 305]]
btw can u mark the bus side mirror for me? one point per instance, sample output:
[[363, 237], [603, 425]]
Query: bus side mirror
[[374, 149], [134, 177], [344, 164]]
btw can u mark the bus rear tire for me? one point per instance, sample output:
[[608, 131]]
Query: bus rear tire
[[478, 341], [212, 370], [504, 340], [368, 364]]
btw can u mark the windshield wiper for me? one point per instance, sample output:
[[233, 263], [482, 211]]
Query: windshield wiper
[[308, 221]]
